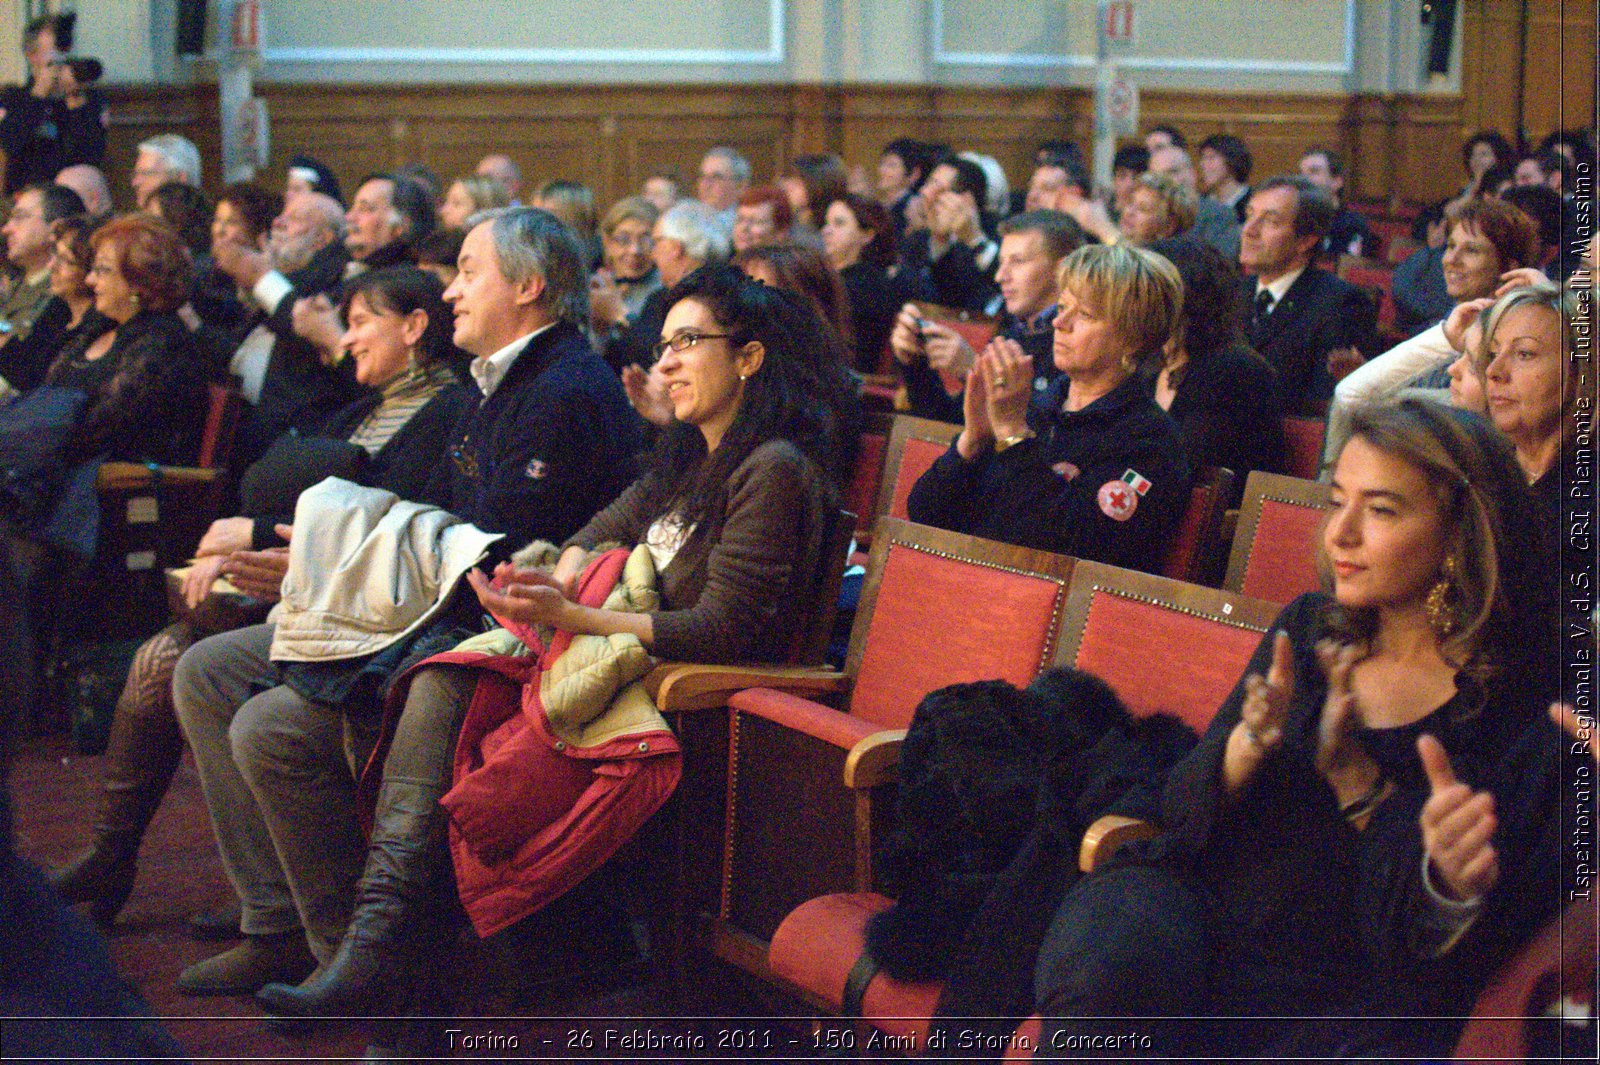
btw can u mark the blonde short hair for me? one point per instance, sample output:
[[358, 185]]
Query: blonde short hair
[[1181, 202], [1139, 292]]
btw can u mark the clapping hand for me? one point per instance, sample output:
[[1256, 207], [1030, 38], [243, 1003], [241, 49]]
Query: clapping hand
[[1458, 825], [1009, 374], [1262, 716], [531, 597], [648, 393]]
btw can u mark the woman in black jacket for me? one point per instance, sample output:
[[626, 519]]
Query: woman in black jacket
[[393, 438], [1372, 823], [1223, 395], [860, 242]]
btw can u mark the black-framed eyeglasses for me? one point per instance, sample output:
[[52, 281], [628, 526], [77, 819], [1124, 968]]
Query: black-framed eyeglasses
[[683, 342]]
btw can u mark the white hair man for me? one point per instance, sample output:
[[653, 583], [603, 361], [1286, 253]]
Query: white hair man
[[161, 159], [724, 173]]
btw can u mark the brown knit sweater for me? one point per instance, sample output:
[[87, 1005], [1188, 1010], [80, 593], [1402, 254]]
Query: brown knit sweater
[[741, 595]]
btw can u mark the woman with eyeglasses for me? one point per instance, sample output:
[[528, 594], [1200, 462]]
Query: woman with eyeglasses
[[734, 507], [627, 276]]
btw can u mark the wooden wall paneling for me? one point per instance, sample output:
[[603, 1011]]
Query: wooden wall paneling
[[1490, 44], [1560, 82]]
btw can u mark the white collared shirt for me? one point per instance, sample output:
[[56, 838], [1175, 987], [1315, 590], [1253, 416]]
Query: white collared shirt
[[1280, 286], [490, 370]]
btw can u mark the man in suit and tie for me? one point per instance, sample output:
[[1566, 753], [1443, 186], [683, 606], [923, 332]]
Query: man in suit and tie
[[1310, 325]]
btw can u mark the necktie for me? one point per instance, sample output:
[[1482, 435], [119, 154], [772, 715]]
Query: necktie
[[1261, 310]]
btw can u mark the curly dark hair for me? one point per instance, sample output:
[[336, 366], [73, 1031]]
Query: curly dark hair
[[257, 207], [799, 394], [188, 210], [1213, 300]]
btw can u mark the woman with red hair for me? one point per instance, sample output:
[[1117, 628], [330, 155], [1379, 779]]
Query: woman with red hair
[[139, 367]]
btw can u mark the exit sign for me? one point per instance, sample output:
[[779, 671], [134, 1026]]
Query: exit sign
[[1117, 22]]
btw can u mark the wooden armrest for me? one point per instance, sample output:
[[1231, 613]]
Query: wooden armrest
[[677, 687], [875, 760], [136, 475], [1107, 834]]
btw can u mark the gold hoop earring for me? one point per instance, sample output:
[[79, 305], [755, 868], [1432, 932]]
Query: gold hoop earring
[[1439, 606]]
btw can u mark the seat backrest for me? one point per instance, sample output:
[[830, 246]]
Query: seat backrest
[[1162, 645], [1196, 551], [1377, 278], [811, 639], [1275, 543], [861, 495], [914, 445], [941, 608], [1303, 436], [225, 405]]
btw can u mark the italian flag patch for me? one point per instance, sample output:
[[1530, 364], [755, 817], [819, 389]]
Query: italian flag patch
[[1137, 481]]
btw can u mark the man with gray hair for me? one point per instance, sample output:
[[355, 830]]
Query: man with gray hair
[[502, 170], [548, 442], [724, 173], [161, 159]]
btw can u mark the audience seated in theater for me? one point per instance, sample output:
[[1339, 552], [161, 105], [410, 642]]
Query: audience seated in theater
[[685, 238], [724, 173], [1310, 325], [1164, 137], [734, 510], [547, 440], [1032, 247], [503, 171], [573, 203], [1213, 223], [392, 438], [1052, 173], [91, 186], [763, 216], [1348, 233], [901, 169], [1130, 161], [69, 311], [1223, 396], [437, 253], [307, 174], [805, 272], [812, 182], [997, 199], [467, 196], [163, 158], [1490, 245], [29, 248], [244, 214], [1543, 206], [186, 209], [662, 189], [1372, 822], [1096, 470], [860, 243], [1224, 173], [283, 377], [627, 276], [949, 251], [1420, 298], [143, 375], [1547, 168], [1159, 209], [1482, 155], [1530, 360]]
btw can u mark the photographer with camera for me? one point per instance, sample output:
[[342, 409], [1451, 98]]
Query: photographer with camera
[[58, 118]]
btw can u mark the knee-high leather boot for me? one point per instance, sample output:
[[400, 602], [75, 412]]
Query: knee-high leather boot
[[142, 753], [393, 904]]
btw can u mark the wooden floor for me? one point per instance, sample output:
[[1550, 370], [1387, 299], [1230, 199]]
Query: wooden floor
[[54, 796]]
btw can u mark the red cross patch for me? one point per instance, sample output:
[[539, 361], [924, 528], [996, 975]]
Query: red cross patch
[[1118, 500]]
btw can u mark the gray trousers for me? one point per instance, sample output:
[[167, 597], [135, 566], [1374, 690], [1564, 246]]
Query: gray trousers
[[278, 775]]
